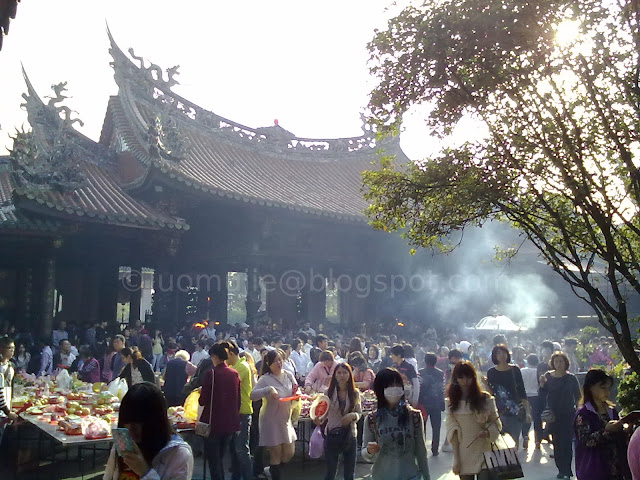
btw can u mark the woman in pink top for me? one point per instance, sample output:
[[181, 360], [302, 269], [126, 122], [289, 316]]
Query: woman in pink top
[[318, 378]]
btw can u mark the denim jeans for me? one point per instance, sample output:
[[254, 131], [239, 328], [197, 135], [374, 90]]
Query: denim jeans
[[240, 457], [214, 447], [331, 456]]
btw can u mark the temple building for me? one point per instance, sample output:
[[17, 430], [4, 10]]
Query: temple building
[[174, 202], [186, 194]]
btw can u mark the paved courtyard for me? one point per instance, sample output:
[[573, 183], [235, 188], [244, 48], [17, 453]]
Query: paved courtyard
[[537, 465]]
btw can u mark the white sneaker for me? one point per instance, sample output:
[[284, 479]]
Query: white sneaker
[[267, 471], [447, 448]]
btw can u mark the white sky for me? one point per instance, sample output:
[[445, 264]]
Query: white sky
[[303, 63]]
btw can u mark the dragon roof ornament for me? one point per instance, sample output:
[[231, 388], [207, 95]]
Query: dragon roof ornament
[[48, 157], [148, 85]]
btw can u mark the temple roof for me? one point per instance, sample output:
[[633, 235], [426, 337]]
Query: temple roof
[[56, 172], [179, 142]]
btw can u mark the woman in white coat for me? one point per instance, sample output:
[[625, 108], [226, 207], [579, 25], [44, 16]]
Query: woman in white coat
[[472, 422]]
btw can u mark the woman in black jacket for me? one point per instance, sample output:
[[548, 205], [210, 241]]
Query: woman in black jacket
[[137, 369]]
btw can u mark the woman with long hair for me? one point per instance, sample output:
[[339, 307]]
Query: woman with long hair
[[340, 430], [472, 422], [136, 368], [601, 443], [561, 394], [159, 452], [394, 433], [276, 428], [21, 358]]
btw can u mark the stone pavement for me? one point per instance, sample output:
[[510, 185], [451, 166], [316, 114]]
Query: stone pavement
[[537, 465]]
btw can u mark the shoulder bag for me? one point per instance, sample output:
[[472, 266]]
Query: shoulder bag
[[521, 413], [203, 429]]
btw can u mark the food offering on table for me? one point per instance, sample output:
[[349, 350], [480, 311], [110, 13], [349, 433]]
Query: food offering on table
[[177, 418], [70, 425], [94, 428], [319, 408]]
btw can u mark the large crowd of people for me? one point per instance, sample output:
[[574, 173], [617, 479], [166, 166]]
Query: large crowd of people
[[480, 387]]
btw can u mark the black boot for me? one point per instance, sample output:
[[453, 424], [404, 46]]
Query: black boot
[[275, 472]]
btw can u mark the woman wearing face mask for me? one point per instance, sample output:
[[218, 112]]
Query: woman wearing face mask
[[472, 422], [160, 454], [601, 442], [394, 433]]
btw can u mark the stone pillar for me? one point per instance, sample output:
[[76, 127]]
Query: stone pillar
[[218, 293], [282, 297], [108, 293], [314, 299], [48, 295], [253, 301], [134, 285], [91, 299], [351, 307]]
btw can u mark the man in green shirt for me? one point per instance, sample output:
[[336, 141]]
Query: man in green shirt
[[240, 456]]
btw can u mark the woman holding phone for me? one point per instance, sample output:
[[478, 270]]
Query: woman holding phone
[[158, 453], [601, 442]]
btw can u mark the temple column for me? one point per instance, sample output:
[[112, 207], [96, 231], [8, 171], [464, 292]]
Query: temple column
[[253, 301], [314, 299], [109, 273], [351, 307], [92, 297], [282, 298], [218, 293], [48, 295]]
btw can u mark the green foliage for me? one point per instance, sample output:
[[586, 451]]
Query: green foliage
[[629, 392], [587, 334], [559, 160]]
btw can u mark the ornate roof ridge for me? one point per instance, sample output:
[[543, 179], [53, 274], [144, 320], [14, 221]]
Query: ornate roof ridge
[[147, 84]]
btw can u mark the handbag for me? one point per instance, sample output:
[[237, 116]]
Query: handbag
[[204, 429], [548, 416], [337, 438], [503, 463]]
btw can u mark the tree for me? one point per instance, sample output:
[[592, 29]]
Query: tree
[[560, 157]]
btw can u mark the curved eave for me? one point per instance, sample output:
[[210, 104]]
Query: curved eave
[[37, 203], [169, 175]]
